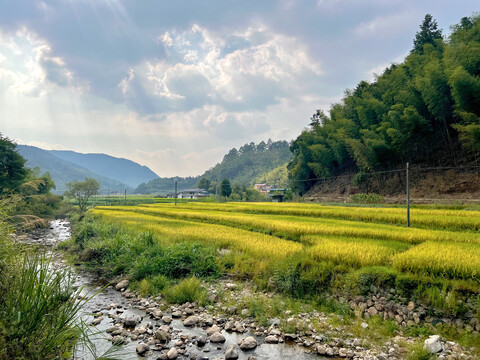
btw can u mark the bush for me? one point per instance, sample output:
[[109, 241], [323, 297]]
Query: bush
[[367, 198], [305, 278], [187, 290]]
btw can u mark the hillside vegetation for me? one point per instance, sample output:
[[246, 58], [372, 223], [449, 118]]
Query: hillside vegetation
[[245, 165], [65, 166], [425, 110]]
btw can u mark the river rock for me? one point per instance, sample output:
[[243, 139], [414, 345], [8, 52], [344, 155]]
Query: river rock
[[122, 285], [217, 338], [162, 335], [213, 330], [231, 353], [191, 321], [167, 319], [248, 343], [433, 344], [271, 339], [131, 321], [172, 353], [201, 341], [142, 349]]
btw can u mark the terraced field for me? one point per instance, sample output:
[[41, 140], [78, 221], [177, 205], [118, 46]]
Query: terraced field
[[442, 243]]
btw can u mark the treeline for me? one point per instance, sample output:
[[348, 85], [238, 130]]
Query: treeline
[[249, 162], [424, 110], [165, 186]]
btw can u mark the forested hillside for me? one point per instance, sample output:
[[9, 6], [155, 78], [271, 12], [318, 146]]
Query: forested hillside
[[249, 162], [122, 170], [425, 110], [165, 186], [63, 171]]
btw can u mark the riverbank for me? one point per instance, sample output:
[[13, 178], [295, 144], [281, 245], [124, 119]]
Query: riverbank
[[382, 323]]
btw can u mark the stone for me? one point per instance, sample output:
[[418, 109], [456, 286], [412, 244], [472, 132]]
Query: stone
[[172, 353], [213, 330], [364, 325], [411, 306], [231, 353], [321, 349], [271, 339], [131, 321], [122, 285], [162, 336], [201, 341], [217, 338], [142, 349], [167, 319], [433, 344], [191, 321], [372, 311], [229, 325], [248, 343]]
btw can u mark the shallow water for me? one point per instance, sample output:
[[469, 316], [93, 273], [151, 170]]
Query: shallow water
[[59, 230]]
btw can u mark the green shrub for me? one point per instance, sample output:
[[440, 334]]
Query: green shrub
[[305, 278], [367, 198], [187, 290], [406, 285]]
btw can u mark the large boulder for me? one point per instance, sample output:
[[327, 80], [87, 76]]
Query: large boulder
[[248, 343], [142, 349], [190, 321], [122, 285], [433, 344], [231, 353], [217, 338]]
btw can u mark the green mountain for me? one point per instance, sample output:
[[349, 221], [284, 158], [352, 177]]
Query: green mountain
[[165, 186], [63, 171], [122, 170], [245, 165], [425, 111]]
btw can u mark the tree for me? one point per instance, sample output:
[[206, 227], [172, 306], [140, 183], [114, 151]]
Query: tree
[[204, 184], [82, 191], [12, 166], [225, 188], [428, 34]]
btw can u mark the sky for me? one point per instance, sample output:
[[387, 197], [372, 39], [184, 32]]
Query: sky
[[175, 84]]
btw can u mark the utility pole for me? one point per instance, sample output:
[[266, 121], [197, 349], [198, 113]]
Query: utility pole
[[175, 192], [408, 194], [125, 194]]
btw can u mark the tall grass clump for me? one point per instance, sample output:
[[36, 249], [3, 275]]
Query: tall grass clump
[[187, 290], [38, 307]]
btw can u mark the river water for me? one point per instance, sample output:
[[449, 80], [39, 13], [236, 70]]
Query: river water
[[59, 230]]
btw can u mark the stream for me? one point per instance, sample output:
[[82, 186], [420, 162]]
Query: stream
[[112, 306]]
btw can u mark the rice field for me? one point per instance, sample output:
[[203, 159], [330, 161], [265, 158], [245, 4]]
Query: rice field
[[440, 243]]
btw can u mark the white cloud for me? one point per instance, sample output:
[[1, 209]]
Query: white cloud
[[27, 66], [243, 70]]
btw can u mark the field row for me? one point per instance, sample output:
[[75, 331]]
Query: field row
[[351, 243], [455, 220]]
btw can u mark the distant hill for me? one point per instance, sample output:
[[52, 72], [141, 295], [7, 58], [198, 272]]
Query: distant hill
[[122, 170], [63, 171], [165, 186], [249, 162]]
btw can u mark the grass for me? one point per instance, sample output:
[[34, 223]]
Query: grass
[[300, 251]]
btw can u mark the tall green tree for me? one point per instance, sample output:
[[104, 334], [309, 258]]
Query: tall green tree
[[225, 188], [429, 34], [12, 166], [82, 191]]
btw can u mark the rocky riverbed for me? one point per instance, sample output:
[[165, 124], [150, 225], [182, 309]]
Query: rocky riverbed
[[151, 328]]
